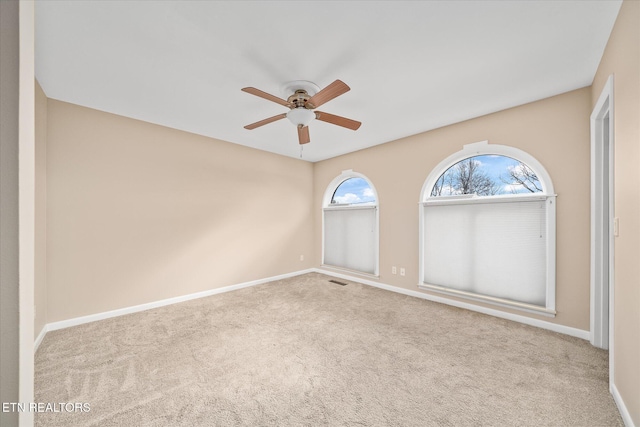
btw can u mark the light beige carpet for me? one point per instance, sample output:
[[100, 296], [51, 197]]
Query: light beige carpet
[[307, 352]]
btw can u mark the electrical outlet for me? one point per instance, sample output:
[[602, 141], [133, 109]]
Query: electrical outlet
[[301, 257], [393, 270], [402, 271], [616, 227]]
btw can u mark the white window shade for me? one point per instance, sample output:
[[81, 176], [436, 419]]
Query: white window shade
[[350, 238], [496, 249]]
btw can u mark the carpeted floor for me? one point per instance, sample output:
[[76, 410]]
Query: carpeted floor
[[307, 352]]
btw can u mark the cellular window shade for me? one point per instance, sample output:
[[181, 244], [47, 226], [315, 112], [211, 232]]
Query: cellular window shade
[[349, 238], [493, 249]]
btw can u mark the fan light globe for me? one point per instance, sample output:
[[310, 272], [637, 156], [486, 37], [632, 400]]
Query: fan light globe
[[301, 116]]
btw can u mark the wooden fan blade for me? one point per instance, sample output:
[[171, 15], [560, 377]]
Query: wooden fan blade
[[334, 90], [265, 121], [265, 95], [303, 134], [337, 120]]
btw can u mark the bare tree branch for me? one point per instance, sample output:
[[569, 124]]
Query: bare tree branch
[[465, 177], [522, 176]]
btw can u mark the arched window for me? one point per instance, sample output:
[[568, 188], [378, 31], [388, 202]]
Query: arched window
[[350, 224], [487, 228], [353, 191], [487, 175]]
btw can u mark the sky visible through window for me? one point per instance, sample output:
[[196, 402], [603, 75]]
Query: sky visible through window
[[487, 175], [353, 191]]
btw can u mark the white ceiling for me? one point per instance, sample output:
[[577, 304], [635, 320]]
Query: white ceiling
[[412, 66]]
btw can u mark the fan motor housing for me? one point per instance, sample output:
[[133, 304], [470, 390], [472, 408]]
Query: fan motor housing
[[299, 98], [294, 87]]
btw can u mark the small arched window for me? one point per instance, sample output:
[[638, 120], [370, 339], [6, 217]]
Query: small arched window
[[487, 228], [353, 191], [350, 224]]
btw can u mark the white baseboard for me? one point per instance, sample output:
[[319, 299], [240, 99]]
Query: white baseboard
[[142, 307], [39, 338], [574, 332], [624, 412]]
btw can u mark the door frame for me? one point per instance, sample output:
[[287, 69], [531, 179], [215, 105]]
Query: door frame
[[603, 229]]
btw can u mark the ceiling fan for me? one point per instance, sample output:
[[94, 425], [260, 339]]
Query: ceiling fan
[[305, 99]]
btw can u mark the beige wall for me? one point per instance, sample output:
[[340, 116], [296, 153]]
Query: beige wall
[[40, 274], [138, 213], [555, 131], [622, 59]]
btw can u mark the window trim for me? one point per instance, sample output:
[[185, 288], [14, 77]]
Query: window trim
[[479, 149], [327, 206]]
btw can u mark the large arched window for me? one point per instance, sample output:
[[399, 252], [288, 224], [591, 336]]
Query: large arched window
[[487, 228], [350, 224], [487, 175]]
